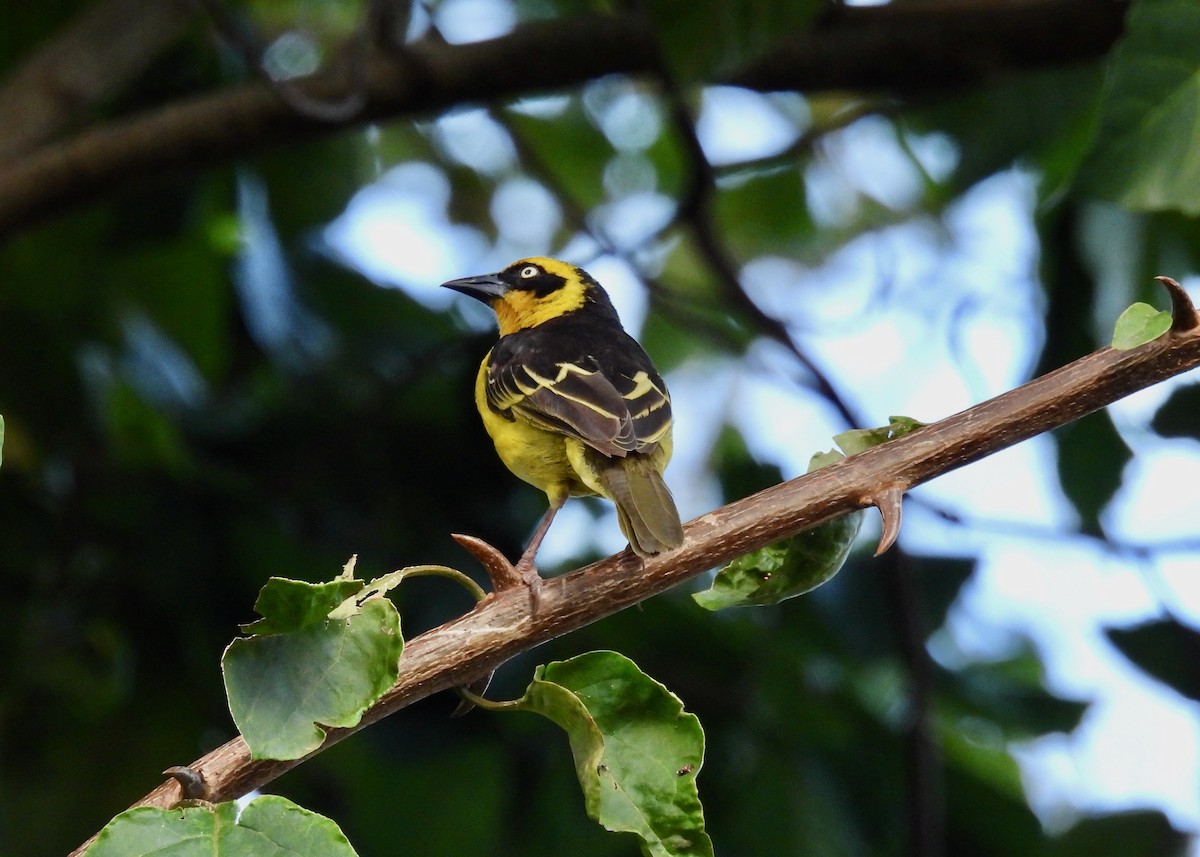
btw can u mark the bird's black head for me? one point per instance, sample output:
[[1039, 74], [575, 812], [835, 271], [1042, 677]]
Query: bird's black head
[[533, 291]]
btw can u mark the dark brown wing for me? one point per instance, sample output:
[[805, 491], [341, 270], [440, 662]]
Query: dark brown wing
[[596, 385]]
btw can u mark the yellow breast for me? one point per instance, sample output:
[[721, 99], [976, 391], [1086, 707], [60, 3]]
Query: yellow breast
[[535, 455]]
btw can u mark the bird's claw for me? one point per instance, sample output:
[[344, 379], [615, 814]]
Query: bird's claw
[[529, 575]]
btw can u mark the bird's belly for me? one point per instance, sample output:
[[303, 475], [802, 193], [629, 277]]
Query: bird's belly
[[535, 455]]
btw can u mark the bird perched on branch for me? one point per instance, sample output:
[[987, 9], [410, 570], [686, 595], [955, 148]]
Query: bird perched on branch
[[573, 403]]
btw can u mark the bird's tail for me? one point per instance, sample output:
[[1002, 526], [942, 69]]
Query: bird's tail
[[645, 509]]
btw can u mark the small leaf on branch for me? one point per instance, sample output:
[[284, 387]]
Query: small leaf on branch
[[637, 752], [320, 657], [1139, 324], [808, 559], [785, 569], [855, 441], [269, 826]]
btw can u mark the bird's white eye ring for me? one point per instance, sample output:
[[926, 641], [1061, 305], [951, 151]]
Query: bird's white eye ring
[[529, 271]]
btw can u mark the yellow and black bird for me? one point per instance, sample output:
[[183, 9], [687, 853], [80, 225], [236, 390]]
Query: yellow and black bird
[[573, 403]]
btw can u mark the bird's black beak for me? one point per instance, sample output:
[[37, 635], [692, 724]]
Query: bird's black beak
[[485, 287]]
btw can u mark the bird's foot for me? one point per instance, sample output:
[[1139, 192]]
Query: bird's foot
[[529, 575]]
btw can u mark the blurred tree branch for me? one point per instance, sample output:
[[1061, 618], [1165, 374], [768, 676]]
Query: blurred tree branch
[[500, 627], [909, 48], [88, 62], [903, 49]]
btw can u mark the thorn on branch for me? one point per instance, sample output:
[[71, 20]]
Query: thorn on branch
[[889, 501], [191, 782], [503, 576], [501, 572], [1183, 311]]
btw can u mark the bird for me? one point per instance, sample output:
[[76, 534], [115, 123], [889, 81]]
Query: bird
[[573, 403]]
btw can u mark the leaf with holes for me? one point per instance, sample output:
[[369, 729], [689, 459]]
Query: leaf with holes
[[809, 558], [319, 659], [785, 569], [637, 752], [290, 605]]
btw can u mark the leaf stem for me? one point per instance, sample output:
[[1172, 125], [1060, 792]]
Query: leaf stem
[[488, 704], [443, 571]]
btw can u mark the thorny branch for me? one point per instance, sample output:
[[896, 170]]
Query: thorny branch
[[500, 627]]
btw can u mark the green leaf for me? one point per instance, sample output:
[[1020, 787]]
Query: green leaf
[[784, 570], [1131, 834], [858, 440], [636, 751], [569, 147], [1, 439], [290, 605], [1166, 650], [1180, 414], [1139, 324], [764, 211], [985, 760], [808, 559], [988, 806], [283, 687], [1006, 699], [269, 826], [1145, 157], [1045, 116], [1091, 458]]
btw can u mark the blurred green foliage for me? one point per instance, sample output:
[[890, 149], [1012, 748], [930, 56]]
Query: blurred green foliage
[[198, 395]]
